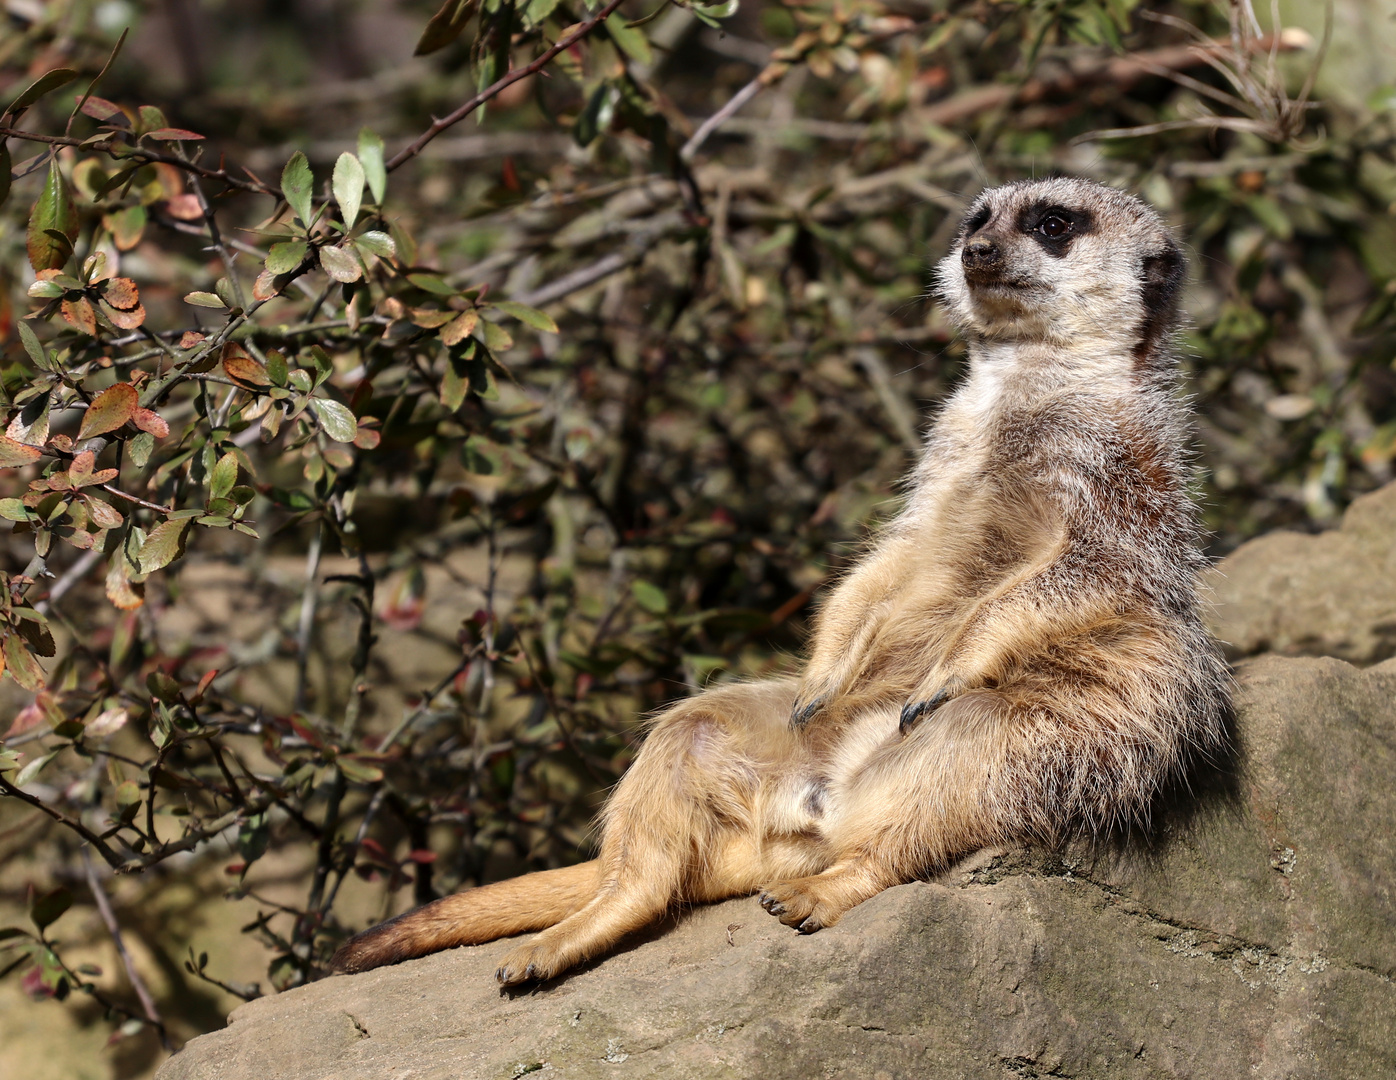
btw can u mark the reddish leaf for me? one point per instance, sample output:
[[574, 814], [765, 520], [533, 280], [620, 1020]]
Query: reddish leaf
[[170, 134], [461, 328], [109, 410], [265, 287], [126, 320], [121, 293], [190, 338], [152, 422], [80, 315], [103, 514], [185, 208], [367, 438], [106, 111], [243, 369]]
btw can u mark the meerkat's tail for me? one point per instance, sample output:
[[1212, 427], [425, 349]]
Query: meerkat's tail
[[517, 906]]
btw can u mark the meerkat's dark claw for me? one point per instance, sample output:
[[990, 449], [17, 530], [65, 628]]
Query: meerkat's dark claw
[[800, 715], [917, 709]]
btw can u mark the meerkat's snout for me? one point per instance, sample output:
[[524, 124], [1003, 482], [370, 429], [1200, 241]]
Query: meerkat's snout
[[982, 259]]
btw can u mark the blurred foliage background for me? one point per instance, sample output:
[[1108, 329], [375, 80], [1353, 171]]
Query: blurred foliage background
[[360, 500]]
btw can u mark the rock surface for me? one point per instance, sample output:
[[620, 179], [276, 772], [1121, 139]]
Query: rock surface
[[1333, 594], [1256, 941]]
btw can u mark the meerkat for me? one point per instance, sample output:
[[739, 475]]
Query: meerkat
[[1019, 658]]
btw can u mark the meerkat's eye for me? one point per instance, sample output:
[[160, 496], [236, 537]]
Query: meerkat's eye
[[1054, 226]]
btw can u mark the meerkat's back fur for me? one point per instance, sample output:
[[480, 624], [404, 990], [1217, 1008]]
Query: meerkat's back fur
[[1020, 657]]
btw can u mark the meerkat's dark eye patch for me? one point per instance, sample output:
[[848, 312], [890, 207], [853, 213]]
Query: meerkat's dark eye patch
[[1054, 227], [977, 221]]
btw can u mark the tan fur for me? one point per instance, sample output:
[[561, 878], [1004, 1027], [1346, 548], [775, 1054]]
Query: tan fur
[[1018, 658]]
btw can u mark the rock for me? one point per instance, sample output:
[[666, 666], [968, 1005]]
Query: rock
[[1255, 940], [1333, 594]]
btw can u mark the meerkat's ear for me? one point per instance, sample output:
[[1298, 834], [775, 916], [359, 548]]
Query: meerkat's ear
[[1162, 276]]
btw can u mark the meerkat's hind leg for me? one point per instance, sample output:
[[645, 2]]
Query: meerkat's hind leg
[[679, 825]]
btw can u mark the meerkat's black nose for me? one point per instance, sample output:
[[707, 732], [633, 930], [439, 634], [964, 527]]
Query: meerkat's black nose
[[981, 257]]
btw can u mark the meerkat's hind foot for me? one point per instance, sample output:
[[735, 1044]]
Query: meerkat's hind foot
[[915, 710]]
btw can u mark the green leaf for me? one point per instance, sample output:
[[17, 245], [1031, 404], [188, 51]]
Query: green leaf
[[376, 243], [32, 345], [496, 337], [140, 449], [371, 157], [204, 299], [50, 80], [223, 476], [455, 384], [254, 835], [46, 909], [531, 316], [538, 10], [13, 509], [163, 546], [445, 26], [432, 283], [286, 256], [631, 40], [338, 422], [348, 184], [53, 223], [650, 597], [341, 264], [109, 410], [298, 185]]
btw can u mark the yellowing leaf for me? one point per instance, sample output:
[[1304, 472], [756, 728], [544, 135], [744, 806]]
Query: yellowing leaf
[[461, 327], [164, 545], [340, 264], [14, 454]]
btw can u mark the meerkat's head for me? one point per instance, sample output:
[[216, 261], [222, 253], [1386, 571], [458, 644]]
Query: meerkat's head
[[1064, 262]]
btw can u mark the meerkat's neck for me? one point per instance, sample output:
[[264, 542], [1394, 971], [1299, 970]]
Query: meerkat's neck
[[1017, 372]]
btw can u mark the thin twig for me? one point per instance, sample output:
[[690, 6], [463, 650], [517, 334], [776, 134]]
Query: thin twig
[[307, 617], [152, 1014], [111, 858], [407, 153], [141, 154]]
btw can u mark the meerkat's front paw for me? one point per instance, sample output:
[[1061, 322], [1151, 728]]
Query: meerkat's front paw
[[798, 903], [532, 962]]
